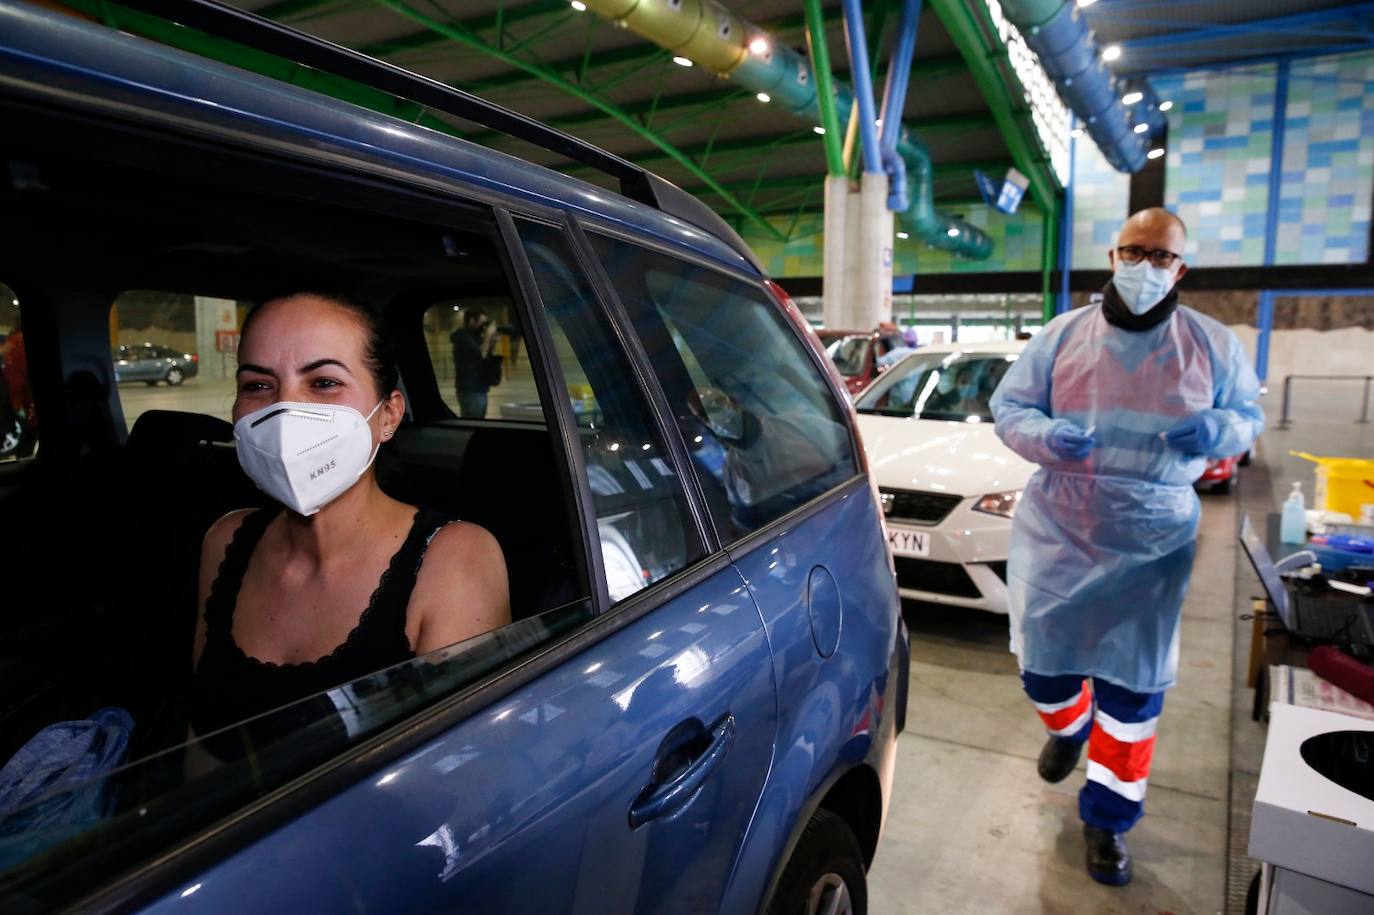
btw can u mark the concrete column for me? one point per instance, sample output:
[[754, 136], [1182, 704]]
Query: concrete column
[[871, 271], [836, 239], [954, 328], [214, 315]]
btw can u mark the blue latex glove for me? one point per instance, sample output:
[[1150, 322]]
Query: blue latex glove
[[1068, 442], [1197, 434]]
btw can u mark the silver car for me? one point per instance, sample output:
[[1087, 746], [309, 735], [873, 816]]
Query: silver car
[[151, 363]]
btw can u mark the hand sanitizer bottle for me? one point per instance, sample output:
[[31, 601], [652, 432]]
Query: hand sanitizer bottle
[[1293, 525]]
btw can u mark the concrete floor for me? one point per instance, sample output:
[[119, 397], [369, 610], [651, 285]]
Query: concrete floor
[[972, 827]]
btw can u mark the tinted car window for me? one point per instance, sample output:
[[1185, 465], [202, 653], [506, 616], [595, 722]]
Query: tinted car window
[[641, 512], [174, 351], [765, 433], [485, 370], [948, 386], [18, 414]]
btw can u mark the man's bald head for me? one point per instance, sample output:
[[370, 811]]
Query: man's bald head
[[1154, 228]]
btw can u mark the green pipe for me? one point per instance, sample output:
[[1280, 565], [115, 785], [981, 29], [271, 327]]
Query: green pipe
[[1048, 253], [459, 36], [825, 87], [963, 25]]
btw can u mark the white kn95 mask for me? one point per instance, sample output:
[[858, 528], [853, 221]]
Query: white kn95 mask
[[305, 455]]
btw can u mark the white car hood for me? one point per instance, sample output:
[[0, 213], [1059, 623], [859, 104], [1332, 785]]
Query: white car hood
[[964, 459]]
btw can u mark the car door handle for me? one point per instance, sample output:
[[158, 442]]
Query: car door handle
[[660, 798]]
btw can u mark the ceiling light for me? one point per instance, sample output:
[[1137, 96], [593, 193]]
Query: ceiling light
[[682, 61], [903, 235], [1154, 153], [818, 129], [1111, 52], [758, 45], [1130, 98], [579, 6], [953, 232], [1076, 132], [1165, 106], [764, 97], [1141, 128], [1083, 3]]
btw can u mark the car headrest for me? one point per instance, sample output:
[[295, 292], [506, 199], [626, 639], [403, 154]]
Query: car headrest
[[160, 429]]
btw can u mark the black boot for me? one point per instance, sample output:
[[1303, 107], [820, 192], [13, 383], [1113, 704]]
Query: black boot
[[1109, 860], [1058, 758]]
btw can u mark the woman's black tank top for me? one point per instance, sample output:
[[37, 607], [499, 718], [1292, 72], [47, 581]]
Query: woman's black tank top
[[230, 687]]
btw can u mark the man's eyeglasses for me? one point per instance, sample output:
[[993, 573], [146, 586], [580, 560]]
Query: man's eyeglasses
[[1134, 254]]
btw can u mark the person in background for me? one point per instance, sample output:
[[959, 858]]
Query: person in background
[[14, 364], [473, 344], [909, 345], [1121, 404]]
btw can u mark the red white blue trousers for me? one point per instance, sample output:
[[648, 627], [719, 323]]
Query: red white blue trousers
[[1119, 727]]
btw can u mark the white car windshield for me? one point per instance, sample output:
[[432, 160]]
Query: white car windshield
[[948, 386]]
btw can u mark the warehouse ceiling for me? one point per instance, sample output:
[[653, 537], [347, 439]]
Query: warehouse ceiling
[[768, 160]]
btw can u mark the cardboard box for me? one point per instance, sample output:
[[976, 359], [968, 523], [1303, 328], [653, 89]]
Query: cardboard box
[[1292, 893], [1302, 820]]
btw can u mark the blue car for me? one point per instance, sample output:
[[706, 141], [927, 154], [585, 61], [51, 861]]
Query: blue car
[[696, 706]]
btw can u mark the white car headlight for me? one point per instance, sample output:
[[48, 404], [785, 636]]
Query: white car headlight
[[1002, 504]]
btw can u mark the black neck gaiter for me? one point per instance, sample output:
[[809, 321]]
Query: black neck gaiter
[[1118, 315]]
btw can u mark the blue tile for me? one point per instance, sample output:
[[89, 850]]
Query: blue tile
[[1206, 196], [1313, 230], [1297, 123], [1341, 200], [1230, 246], [1350, 104], [1194, 107], [1225, 142]]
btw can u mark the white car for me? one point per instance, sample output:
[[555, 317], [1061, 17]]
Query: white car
[[949, 486]]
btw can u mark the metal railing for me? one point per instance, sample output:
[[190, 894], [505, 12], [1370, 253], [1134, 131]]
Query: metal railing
[[1284, 420]]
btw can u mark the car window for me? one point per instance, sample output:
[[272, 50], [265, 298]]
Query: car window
[[948, 386], [641, 512], [764, 430], [480, 361], [174, 351], [204, 246], [18, 414], [849, 354]]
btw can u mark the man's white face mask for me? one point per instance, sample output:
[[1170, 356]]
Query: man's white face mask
[[1142, 285], [305, 455]]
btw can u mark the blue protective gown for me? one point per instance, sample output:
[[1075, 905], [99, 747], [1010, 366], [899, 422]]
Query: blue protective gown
[[1101, 548]]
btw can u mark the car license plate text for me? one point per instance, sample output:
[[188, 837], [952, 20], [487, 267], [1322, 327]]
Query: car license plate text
[[909, 543]]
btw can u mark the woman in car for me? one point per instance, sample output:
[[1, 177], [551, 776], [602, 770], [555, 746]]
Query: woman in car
[[339, 580]]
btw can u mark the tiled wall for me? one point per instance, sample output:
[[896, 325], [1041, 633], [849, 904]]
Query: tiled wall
[[1328, 162], [1101, 196], [1221, 133], [1016, 246]]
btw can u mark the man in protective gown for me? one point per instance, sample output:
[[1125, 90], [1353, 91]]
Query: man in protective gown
[[1121, 404]]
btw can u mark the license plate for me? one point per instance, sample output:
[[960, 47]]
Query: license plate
[[909, 543]]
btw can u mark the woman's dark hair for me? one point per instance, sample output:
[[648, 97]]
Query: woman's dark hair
[[379, 356]]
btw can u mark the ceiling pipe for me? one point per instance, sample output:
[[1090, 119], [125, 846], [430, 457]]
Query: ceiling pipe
[[863, 85], [1058, 33], [709, 35], [894, 103]]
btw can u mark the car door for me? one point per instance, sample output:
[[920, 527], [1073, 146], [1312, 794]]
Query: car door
[[621, 780]]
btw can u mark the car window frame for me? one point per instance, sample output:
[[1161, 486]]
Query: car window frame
[[820, 362]]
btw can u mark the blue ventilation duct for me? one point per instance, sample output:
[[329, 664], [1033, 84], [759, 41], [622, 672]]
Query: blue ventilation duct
[[1058, 34]]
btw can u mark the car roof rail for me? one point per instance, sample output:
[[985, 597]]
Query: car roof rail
[[271, 37]]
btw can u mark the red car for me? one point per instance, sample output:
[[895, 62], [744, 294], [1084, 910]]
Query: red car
[[855, 353], [1222, 474]]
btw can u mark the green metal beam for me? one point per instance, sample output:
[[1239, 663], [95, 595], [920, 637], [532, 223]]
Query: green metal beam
[[796, 182], [428, 39], [965, 23], [245, 58], [469, 40], [773, 141]]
